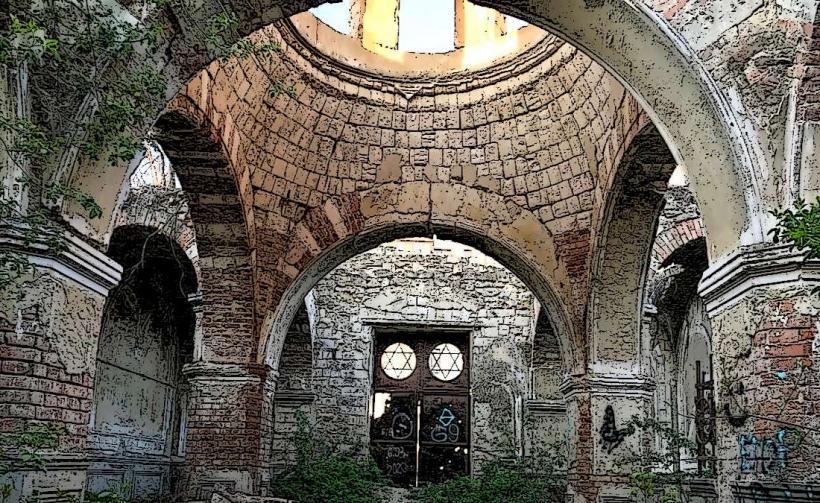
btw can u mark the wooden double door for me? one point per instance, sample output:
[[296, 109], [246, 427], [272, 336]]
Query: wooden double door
[[420, 412]]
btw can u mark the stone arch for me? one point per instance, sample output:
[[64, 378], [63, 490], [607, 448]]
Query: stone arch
[[346, 226], [639, 47], [621, 254], [642, 50], [162, 208], [682, 334], [223, 239], [670, 240], [628, 38]]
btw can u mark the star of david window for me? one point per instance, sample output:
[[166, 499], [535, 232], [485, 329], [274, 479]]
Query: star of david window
[[446, 362], [398, 361]]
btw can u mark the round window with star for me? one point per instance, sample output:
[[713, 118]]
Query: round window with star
[[446, 362], [398, 361]]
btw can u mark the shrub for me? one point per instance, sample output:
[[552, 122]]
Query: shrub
[[503, 482], [322, 476]]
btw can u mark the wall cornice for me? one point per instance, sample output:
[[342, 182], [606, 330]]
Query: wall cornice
[[729, 280], [610, 385], [546, 407], [216, 371], [79, 261], [294, 397]]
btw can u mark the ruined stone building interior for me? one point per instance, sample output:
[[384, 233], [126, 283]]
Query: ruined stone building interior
[[462, 234]]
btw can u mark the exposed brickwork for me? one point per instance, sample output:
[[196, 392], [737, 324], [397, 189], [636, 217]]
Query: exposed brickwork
[[542, 141], [35, 387], [675, 237], [808, 65], [222, 240]]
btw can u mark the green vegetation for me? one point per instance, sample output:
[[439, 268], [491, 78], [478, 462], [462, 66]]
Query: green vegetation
[[23, 450], [320, 475], [95, 89], [503, 482], [799, 228], [656, 475]]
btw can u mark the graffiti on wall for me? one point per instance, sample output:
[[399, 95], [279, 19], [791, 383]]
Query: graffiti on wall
[[446, 428], [611, 435], [763, 455]]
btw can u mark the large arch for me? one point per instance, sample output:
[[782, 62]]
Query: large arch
[[625, 36], [621, 254], [482, 220], [216, 209]]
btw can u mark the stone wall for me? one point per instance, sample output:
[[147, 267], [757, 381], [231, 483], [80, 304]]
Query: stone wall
[[428, 284]]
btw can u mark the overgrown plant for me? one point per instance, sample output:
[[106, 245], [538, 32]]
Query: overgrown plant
[[535, 480], [799, 227], [320, 475], [656, 473], [23, 450], [94, 88]]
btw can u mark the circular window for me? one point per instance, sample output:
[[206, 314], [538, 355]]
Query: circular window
[[398, 361], [446, 362]]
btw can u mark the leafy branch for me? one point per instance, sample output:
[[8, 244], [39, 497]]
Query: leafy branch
[[94, 89]]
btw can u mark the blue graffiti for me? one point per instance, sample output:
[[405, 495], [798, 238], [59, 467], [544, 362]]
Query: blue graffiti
[[763, 455]]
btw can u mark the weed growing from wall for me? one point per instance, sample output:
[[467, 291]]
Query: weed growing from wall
[[84, 86], [23, 450]]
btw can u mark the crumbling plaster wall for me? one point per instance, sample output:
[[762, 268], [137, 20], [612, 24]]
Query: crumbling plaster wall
[[49, 325], [416, 283], [760, 55]]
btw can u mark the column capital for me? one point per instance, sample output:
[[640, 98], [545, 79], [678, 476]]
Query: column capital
[[609, 385], [79, 261], [728, 280], [217, 371]]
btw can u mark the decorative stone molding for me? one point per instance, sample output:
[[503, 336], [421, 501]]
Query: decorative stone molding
[[546, 407], [621, 386], [406, 324], [751, 267], [295, 397], [426, 85], [702, 487], [250, 372], [79, 262]]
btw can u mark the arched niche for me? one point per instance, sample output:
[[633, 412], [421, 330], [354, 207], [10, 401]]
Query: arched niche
[[147, 335], [621, 256]]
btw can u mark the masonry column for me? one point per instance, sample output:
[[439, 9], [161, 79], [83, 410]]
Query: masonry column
[[475, 25], [50, 320], [765, 323], [378, 25], [599, 408], [229, 428]]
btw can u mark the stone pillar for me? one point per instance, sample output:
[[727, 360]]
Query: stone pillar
[[357, 9], [50, 320], [475, 25], [599, 409], [765, 323], [379, 27], [228, 430]]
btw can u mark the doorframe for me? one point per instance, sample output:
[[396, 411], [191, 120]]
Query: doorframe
[[382, 326]]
